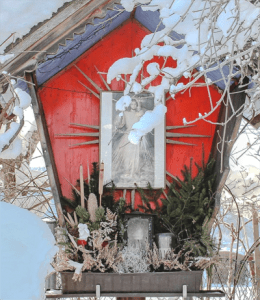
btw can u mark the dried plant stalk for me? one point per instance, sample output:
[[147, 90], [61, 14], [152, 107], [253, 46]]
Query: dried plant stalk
[[92, 206]]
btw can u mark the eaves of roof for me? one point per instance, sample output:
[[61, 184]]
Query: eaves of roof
[[47, 38], [70, 33]]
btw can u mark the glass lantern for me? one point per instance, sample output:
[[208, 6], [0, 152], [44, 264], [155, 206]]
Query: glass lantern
[[165, 243], [139, 230]]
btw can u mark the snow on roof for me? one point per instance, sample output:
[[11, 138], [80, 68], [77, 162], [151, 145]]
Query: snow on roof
[[18, 17], [98, 29], [80, 43], [103, 21]]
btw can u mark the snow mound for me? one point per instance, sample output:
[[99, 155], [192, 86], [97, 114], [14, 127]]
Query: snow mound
[[27, 248]]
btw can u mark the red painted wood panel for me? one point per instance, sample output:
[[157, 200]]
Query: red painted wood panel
[[66, 101]]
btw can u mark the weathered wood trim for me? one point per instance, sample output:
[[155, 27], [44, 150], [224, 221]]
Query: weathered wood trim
[[43, 29], [55, 32], [46, 146], [238, 99]]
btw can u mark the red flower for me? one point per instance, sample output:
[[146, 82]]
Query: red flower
[[104, 244], [82, 242]]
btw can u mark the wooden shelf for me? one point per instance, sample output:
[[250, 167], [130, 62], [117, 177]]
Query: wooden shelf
[[58, 294]]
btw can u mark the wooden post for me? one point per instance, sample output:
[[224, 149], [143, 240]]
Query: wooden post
[[82, 200], [133, 199], [101, 181], [257, 252], [46, 146]]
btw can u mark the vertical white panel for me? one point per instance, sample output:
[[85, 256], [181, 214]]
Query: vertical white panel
[[159, 155], [106, 134]]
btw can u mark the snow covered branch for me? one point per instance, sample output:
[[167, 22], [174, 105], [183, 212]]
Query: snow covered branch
[[13, 103], [218, 36]]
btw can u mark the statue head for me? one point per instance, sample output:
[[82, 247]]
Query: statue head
[[133, 104]]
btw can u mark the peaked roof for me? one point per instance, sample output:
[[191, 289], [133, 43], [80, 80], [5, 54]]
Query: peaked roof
[[70, 37], [98, 29], [48, 36]]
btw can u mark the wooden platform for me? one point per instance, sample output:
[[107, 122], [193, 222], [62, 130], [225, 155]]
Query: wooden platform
[[212, 293]]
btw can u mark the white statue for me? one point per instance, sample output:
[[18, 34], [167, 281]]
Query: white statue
[[83, 232], [131, 162]]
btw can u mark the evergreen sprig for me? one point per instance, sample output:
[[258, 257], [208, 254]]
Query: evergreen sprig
[[83, 214], [152, 204], [190, 205], [91, 187]]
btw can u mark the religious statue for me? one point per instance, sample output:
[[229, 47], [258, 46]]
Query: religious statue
[[132, 163]]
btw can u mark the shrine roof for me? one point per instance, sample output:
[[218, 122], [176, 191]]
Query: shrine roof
[[96, 31], [81, 32]]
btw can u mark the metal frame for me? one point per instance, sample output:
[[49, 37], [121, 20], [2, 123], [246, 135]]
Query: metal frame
[[203, 293], [100, 137]]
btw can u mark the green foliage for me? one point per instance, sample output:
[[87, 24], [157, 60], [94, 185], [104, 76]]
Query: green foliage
[[153, 205], [200, 244], [67, 202], [190, 204], [91, 187], [121, 208], [100, 214], [83, 214]]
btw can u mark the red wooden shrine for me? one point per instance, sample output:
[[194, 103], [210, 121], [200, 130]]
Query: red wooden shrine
[[65, 100]]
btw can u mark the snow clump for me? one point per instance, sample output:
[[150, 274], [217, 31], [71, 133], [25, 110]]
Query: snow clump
[[27, 248]]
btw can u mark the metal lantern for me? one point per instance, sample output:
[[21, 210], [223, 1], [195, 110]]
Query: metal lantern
[[139, 230]]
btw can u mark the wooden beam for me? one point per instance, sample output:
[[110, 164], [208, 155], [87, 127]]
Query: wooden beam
[[89, 79], [178, 143], [78, 134], [167, 183], [85, 125], [46, 146], [257, 251], [94, 93], [169, 174], [187, 135], [86, 143], [178, 127], [133, 198], [165, 195], [82, 200], [104, 81]]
